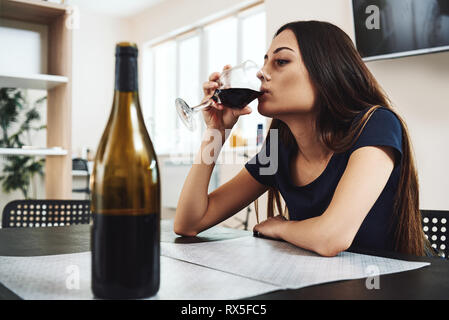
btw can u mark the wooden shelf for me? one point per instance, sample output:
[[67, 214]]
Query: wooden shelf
[[31, 81], [33, 152], [31, 10], [58, 83]]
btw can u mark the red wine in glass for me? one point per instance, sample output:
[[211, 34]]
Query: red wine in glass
[[238, 86], [236, 98]]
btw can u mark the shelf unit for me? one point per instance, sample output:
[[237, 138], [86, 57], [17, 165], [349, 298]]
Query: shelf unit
[[31, 81], [33, 152], [58, 83]]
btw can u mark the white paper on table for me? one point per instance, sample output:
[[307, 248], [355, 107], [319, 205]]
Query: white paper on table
[[283, 264], [55, 277]]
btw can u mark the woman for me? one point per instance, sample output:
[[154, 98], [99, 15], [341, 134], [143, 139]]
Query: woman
[[345, 166]]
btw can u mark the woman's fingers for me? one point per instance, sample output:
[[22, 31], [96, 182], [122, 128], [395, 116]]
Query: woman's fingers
[[213, 83], [214, 76], [241, 112], [218, 106], [247, 110], [209, 88], [210, 85]]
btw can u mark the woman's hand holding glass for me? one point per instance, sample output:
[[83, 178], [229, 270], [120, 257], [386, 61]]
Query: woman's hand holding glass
[[226, 96], [216, 116]]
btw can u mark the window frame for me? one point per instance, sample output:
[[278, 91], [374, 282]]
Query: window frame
[[177, 37]]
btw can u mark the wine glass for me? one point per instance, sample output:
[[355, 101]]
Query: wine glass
[[237, 87]]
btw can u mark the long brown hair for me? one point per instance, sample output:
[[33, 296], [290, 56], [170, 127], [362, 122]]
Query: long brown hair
[[344, 88]]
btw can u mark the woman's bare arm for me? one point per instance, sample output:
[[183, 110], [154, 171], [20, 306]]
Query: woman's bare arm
[[197, 210], [366, 175]]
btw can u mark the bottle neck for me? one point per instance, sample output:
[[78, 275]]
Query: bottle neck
[[126, 98], [126, 73]]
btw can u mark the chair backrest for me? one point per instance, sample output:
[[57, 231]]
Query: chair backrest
[[80, 164], [435, 227], [45, 213]]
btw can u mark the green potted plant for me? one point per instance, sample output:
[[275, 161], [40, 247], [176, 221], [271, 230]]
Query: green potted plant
[[17, 120]]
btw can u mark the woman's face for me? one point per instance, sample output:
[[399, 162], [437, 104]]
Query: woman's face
[[288, 89]]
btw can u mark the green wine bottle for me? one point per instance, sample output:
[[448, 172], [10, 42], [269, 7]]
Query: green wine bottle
[[125, 184]]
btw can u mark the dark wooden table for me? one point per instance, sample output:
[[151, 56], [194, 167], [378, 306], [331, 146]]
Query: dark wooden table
[[430, 282]]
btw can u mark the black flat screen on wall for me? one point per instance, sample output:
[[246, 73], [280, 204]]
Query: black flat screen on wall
[[395, 28]]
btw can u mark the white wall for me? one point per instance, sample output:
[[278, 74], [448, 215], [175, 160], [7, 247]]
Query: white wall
[[33, 39], [280, 12], [93, 75], [418, 86], [172, 15]]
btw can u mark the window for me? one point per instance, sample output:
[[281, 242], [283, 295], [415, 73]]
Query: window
[[164, 91], [221, 39], [179, 66], [189, 88], [252, 48]]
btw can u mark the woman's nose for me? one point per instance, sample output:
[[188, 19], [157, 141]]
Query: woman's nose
[[263, 76]]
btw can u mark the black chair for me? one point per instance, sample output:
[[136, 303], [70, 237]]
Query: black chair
[[79, 164], [435, 227], [45, 213]]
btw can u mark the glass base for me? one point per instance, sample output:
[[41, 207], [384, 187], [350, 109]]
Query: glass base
[[185, 113]]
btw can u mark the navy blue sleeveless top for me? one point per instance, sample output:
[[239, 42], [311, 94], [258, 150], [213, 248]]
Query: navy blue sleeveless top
[[304, 202]]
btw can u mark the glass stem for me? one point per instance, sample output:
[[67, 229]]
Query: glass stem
[[204, 105]]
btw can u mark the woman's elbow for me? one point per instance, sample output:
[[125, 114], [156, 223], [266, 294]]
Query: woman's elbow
[[333, 246], [184, 233], [181, 231]]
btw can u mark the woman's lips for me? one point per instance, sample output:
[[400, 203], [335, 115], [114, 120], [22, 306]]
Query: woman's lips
[[263, 96], [264, 92]]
